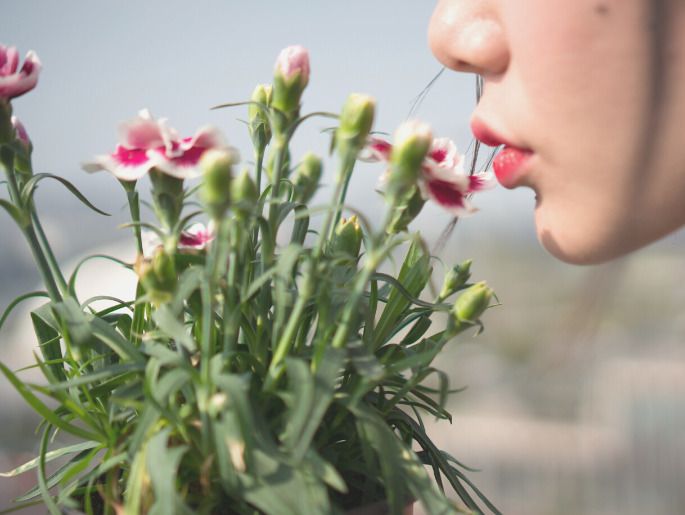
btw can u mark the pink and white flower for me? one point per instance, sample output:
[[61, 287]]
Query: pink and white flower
[[195, 237], [291, 60], [146, 143], [443, 179], [13, 82]]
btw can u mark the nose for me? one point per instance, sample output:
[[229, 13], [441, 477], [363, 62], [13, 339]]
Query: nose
[[468, 36]]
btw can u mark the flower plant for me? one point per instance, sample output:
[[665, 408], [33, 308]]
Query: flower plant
[[263, 366]]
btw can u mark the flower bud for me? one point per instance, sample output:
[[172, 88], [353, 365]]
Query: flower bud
[[291, 75], [158, 275], [347, 237], [411, 144], [455, 278], [472, 303], [356, 120], [260, 127], [167, 194], [217, 165], [285, 168], [403, 216], [23, 147], [306, 177], [244, 195]]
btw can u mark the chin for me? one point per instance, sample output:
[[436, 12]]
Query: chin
[[579, 242]]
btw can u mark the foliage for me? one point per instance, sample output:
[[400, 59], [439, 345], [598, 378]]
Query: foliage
[[251, 374]]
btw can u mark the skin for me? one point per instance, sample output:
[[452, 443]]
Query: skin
[[597, 96]]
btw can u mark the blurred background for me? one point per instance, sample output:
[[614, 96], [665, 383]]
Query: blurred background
[[576, 398]]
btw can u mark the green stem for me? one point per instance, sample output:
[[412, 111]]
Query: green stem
[[49, 255], [134, 209], [345, 168], [7, 159]]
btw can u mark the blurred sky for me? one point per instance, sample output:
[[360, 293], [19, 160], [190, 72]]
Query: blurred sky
[[103, 61]]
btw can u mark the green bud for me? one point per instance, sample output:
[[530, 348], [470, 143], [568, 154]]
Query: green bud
[[244, 195], [22, 148], [158, 275], [291, 76], [217, 164], [260, 126], [403, 216], [167, 194], [356, 120], [412, 142], [347, 237], [269, 166], [455, 278], [472, 303], [306, 177]]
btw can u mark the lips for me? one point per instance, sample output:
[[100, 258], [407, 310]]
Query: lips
[[510, 162]]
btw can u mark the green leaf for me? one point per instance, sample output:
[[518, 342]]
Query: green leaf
[[72, 279], [58, 453], [402, 472], [174, 329], [162, 465], [312, 394], [44, 324], [20, 218], [30, 187], [43, 410], [413, 278], [16, 301]]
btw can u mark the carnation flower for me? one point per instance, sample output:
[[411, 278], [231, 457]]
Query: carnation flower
[[146, 143], [442, 178], [14, 83]]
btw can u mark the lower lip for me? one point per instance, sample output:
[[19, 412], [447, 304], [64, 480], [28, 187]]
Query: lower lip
[[509, 163]]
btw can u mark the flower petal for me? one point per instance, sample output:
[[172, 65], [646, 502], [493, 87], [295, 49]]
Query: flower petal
[[444, 152], [206, 136], [141, 133], [196, 236], [125, 164], [481, 182], [376, 150], [13, 84], [184, 166], [449, 197]]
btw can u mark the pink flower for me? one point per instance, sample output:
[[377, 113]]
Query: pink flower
[[14, 83], [291, 76], [291, 60], [196, 236], [20, 132], [146, 143], [442, 178]]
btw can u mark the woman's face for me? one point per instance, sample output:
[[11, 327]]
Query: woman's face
[[590, 108]]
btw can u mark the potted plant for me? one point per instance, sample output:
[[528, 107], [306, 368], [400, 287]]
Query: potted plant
[[271, 362]]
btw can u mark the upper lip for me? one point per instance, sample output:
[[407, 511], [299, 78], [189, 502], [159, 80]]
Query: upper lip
[[489, 137]]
